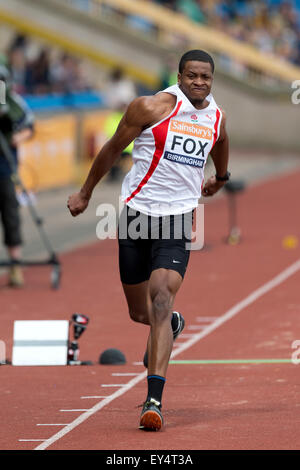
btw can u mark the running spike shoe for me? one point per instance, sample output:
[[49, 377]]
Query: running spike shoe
[[151, 417]]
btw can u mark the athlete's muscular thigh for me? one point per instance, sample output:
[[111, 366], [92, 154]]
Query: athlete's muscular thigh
[[138, 300], [163, 286]]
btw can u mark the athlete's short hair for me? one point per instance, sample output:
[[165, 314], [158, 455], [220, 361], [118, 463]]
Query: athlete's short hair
[[196, 54]]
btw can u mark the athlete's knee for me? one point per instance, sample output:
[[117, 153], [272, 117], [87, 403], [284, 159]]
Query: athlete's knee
[[139, 317], [161, 303]]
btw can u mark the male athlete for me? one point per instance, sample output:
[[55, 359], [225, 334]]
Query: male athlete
[[174, 131]]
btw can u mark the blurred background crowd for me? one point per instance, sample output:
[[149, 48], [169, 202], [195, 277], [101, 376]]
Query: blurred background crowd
[[272, 26], [39, 70]]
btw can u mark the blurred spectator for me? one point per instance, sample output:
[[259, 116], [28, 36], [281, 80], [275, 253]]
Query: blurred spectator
[[191, 8], [67, 76], [18, 66], [140, 23], [38, 74], [121, 165], [44, 73], [169, 72], [120, 90], [167, 3], [119, 93]]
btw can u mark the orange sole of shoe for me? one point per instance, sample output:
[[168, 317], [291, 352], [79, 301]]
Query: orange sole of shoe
[[151, 421]]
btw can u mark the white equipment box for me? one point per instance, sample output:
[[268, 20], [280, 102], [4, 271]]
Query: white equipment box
[[40, 343]]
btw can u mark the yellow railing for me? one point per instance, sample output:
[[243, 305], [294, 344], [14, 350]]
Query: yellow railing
[[31, 28], [206, 37]]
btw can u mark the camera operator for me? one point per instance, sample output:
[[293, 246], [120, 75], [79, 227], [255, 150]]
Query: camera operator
[[16, 126]]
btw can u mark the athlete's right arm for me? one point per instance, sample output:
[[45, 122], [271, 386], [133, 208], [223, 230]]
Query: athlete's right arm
[[141, 113]]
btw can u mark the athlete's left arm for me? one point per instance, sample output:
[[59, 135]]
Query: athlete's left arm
[[220, 157]]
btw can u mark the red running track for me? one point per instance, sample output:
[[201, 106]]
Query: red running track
[[216, 406]]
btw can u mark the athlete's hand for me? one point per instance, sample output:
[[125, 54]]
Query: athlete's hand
[[212, 186], [77, 204]]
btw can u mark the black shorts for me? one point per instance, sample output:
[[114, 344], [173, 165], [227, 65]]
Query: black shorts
[[147, 243], [9, 209]]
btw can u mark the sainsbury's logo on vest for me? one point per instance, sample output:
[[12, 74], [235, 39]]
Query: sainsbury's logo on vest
[[191, 129]]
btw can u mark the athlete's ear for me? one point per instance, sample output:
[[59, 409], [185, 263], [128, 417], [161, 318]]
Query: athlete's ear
[[179, 78]]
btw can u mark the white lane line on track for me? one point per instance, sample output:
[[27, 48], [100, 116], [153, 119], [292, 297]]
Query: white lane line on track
[[92, 411], [124, 374], [251, 298], [56, 424], [83, 409], [31, 440], [94, 396], [113, 385]]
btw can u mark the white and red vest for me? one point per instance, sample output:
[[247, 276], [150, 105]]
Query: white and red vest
[[169, 159]]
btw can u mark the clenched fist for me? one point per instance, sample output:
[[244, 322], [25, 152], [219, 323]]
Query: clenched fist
[[212, 186], [77, 204]]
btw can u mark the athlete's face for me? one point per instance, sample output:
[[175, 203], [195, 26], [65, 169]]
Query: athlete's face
[[196, 80]]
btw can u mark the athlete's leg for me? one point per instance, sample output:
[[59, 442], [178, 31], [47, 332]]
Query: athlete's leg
[[163, 286], [139, 301]]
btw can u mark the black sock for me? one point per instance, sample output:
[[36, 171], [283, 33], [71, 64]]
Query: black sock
[[155, 387], [174, 322]]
